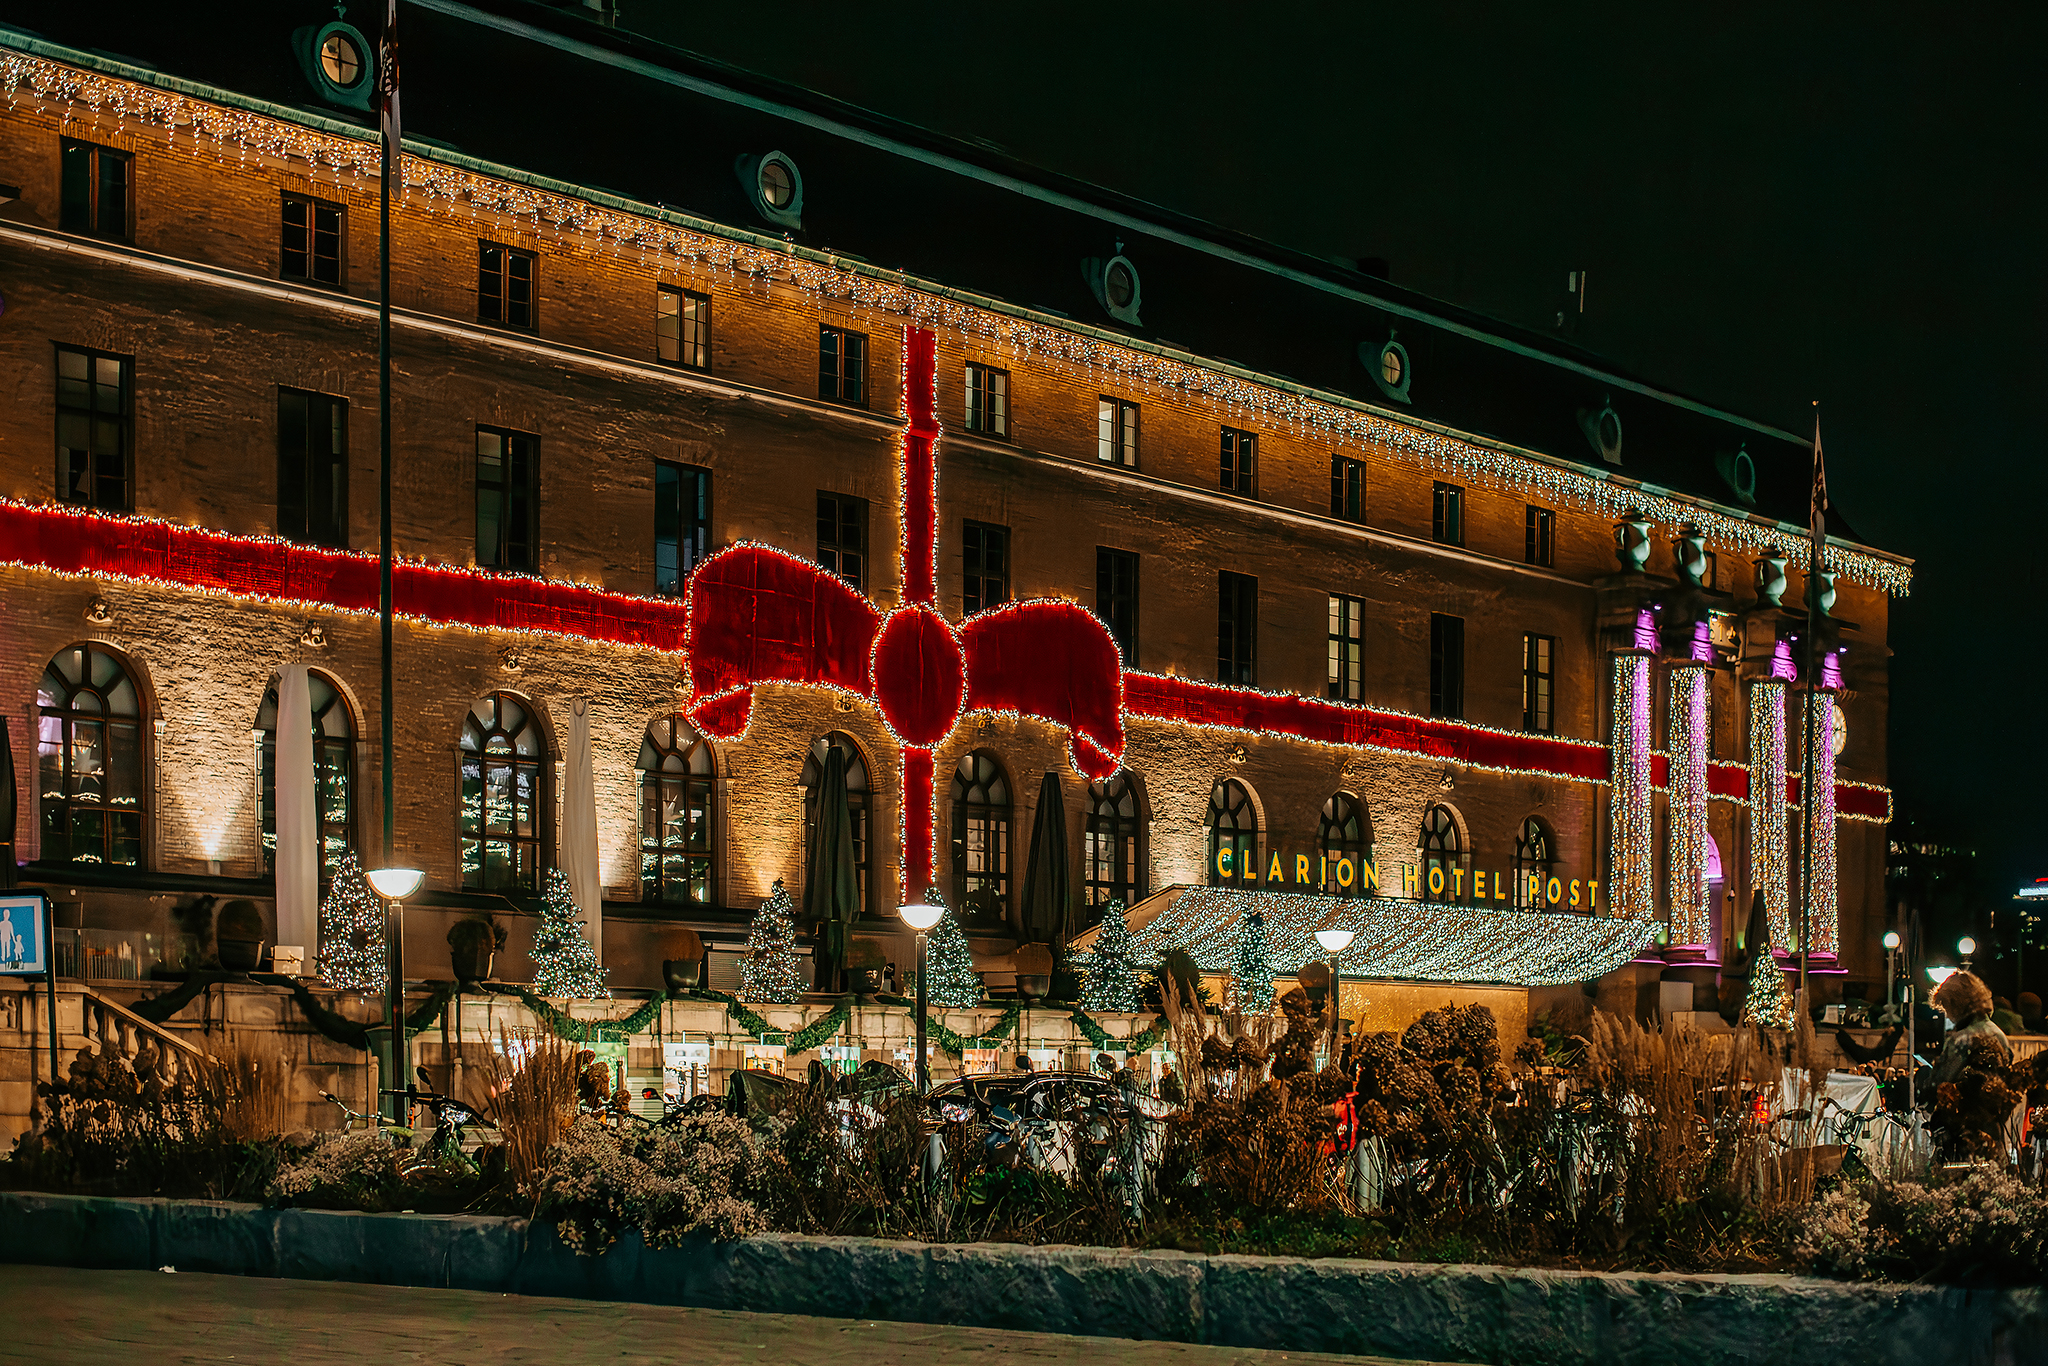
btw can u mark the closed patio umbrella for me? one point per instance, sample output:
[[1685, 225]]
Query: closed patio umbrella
[[1047, 888], [831, 884], [7, 807]]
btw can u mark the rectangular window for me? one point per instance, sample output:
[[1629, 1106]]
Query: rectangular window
[[1237, 629], [1240, 462], [1347, 489], [843, 538], [95, 429], [985, 556], [1116, 598], [310, 248], [505, 286], [843, 366], [1447, 518], [682, 327], [988, 401], [682, 523], [1537, 522], [1347, 648], [507, 500], [1116, 432], [312, 468], [95, 194], [1446, 666], [1539, 654]]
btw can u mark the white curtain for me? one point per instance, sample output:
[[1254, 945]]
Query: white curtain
[[579, 827], [298, 823]]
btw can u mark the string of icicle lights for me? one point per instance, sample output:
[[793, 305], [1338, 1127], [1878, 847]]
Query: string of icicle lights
[[651, 237], [1397, 939], [1630, 888]]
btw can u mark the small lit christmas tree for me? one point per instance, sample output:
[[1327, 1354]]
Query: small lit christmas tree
[[1768, 1003], [564, 964], [1253, 971], [1113, 981], [950, 980], [352, 930], [770, 972]]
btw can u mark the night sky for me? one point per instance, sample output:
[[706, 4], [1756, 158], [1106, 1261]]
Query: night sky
[[1772, 211]]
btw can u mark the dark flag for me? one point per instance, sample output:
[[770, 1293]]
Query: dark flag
[[387, 77], [1819, 512]]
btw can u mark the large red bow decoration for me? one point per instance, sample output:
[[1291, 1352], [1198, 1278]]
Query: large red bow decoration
[[758, 615]]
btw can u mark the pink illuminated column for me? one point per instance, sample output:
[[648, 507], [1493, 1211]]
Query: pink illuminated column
[[1825, 911], [1691, 917], [1769, 866], [1630, 884]]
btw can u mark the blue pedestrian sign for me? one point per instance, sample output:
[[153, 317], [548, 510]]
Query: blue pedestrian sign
[[24, 935]]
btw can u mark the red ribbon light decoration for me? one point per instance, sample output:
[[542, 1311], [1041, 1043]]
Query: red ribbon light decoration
[[757, 615]]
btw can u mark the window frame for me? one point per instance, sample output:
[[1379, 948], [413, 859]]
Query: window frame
[[1244, 839], [530, 492], [652, 787], [1118, 426], [692, 538], [539, 765], [333, 757], [1339, 810], [1345, 679], [1112, 602], [976, 575], [314, 206], [124, 420], [1347, 489], [843, 504], [300, 531], [687, 301], [1237, 629], [833, 383], [65, 719], [1446, 666], [1539, 683], [1112, 844], [1525, 862], [984, 383], [1447, 513], [986, 890], [1539, 529], [97, 155], [1441, 844], [1239, 467], [503, 296]]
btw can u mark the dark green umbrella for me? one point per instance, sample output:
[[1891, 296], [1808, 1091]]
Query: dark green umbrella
[[7, 811], [1043, 911], [831, 885]]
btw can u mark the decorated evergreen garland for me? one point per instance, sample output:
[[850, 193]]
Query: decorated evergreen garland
[[953, 1045], [1113, 981], [1252, 986], [352, 930], [950, 980], [564, 964], [567, 1027], [1101, 1039], [803, 1040], [770, 971]]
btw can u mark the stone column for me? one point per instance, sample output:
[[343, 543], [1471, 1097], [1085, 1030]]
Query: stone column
[[1631, 855], [1769, 869], [1686, 837], [1817, 800]]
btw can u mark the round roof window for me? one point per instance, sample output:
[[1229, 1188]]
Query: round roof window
[[778, 185], [1393, 367], [1120, 284], [341, 61]]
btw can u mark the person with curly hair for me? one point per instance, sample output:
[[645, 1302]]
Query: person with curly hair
[[1967, 1002]]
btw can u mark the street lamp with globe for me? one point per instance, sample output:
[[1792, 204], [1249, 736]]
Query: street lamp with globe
[[1334, 942], [920, 916], [395, 885]]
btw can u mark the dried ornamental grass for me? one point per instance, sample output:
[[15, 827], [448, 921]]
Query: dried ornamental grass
[[244, 1089], [533, 1089]]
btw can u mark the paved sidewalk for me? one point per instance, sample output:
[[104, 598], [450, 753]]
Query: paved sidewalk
[[125, 1318]]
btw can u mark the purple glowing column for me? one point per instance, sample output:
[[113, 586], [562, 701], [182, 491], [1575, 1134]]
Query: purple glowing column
[[1630, 857], [1825, 910], [1691, 917], [1769, 866]]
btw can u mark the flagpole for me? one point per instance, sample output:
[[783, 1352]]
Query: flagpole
[[1806, 794], [387, 80]]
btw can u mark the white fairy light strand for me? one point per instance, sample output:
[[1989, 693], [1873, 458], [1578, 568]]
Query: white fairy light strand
[[1768, 866], [601, 230], [1823, 909], [1691, 922], [1631, 891]]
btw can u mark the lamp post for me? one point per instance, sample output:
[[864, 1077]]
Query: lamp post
[[395, 885], [1891, 966], [1334, 943], [920, 916], [1967, 948]]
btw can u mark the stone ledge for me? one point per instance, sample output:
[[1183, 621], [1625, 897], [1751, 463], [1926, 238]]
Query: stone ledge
[[1506, 1315]]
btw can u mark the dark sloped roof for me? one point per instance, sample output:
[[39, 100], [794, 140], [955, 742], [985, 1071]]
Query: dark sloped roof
[[548, 91]]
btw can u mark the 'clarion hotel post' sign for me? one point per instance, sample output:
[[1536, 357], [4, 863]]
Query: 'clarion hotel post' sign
[[1361, 876]]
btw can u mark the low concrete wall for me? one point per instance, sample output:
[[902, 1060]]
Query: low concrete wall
[[1508, 1316]]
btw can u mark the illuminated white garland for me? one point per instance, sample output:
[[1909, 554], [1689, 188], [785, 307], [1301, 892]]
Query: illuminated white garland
[[660, 239], [1769, 869], [1686, 742], [1824, 908], [1396, 939], [1630, 887]]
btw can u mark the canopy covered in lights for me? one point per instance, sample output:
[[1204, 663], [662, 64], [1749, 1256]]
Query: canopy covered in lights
[[1395, 939]]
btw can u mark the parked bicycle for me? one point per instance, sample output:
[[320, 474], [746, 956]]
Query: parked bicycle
[[443, 1143]]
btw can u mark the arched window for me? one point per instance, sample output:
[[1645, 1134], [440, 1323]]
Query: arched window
[[981, 837], [89, 736], [1112, 866], [676, 798], [1233, 826], [334, 771], [1343, 833], [858, 802], [504, 795], [1535, 855], [1442, 853]]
